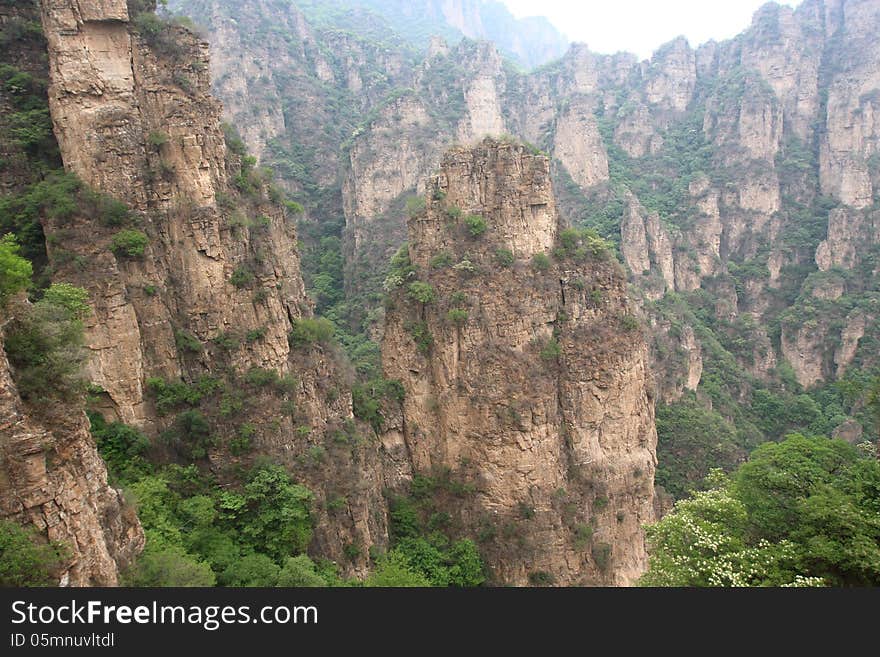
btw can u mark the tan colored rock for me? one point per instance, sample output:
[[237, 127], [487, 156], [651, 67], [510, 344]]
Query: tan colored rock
[[852, 133], [803, 347], [849, 431], [573, 441], [672, 76], [849, 231], [852, 333], [51, 477], [579, 146], [645, 246], [636, 134]]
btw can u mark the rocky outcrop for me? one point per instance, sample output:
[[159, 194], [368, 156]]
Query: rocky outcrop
[[672, 76], [852, 133], [529, 383], [218, 287], [131, 126], [579, 147], [52, 478]]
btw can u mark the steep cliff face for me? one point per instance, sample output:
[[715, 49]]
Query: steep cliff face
[[214, 289], [529, 382], [51, 477], [131, 125]]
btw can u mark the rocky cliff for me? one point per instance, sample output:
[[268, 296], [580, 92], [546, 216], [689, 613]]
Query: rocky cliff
[[192, 270], [527, 380], [51, 476], [735, 177]]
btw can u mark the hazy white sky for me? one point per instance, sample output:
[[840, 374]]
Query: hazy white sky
[[640, 26]]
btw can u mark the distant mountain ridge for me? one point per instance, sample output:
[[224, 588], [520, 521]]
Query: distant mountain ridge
[[530, 42]]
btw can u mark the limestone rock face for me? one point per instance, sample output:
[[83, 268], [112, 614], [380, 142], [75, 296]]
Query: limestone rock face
[[852, 134], [51, 477], [135, 119], [392, 162], [535, 396], [121, 113], [672, 76], [579, 146]]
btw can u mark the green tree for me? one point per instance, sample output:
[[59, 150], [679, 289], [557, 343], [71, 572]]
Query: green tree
[[25, 560], [169, 567], [45, 344], [805, 511], [300, 572], [394, 570], [15, 271]]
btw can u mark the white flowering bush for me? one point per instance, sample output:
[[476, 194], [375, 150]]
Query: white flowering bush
[[803, 512]]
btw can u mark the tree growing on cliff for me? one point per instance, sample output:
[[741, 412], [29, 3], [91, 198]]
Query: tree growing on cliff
[[802, 512]]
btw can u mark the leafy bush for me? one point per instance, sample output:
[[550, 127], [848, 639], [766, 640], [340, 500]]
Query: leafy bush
[[129, 243], [242, 277], [157, 139], [415, 205], [630, 323], [300, 572], [311, 330], [168, 566], [15, 271], [369, 398], [504, 257], [44, 342], [421, 334], [457, 316], [174, 394], [122, 447], [476, 225], [800, 512], [541, 262], [422, 292], [190, 435], [187, 342], [24, 559], [601, 555], [551, 351], [441, 260]]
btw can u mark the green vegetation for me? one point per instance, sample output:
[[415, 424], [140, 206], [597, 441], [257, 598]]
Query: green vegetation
[[187, 342], [476, 225], [800, 513], [25, 559], [242, 277], [129, 243], [44, 342], [370, 398], [311, 330], [540, 262], [457, 316], [504, 257], [15, 271], [422, 292], [421, 335], [419, 546], [551, 351]]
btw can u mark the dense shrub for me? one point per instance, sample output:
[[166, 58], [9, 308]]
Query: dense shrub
[[800, 512], [311, 330], [242, 277], [15, 271], [25, 560], [541, 262], [422, 292], [476, 225], [44, 342], [129, 243]]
